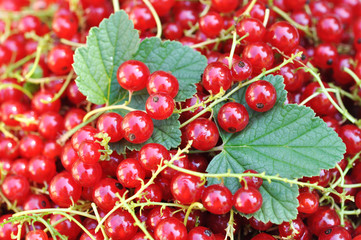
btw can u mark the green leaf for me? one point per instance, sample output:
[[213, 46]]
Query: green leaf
[[287, 140], [166, 132], [184, 63], [108, 46]]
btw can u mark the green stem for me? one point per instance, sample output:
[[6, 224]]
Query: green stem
[[71, 43], [104, 109], [54, 211], [96, 213], [39, 49], [62, 89], [18, 87], [210, 41], [18, 64], [266, 17], [69, 133], [234, 44], [137, 221], [189, 210], [353, 75], [156, 18], [116, 5]]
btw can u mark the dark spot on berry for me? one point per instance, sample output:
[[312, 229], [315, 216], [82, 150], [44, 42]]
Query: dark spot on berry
[[260, 105], [241, 64], [329, 62], [266, 5], [231, 129], [201, 75], [131, 137], [119, 186], [64, 68], [71, 19], [308, 2], [155, 99], [328, 231], [43, 203], [207, 233], [359, 41], [303, 57]]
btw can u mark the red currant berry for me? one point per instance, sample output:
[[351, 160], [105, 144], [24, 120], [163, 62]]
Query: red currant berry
[[211, 24], [308, 202], [142, 17], [261, 96], [73, 118], [130, 173], [217, 199], [254, 182], [133, 75], [233, 117], [248, 200], [86, 175], [42, 102], [105, 193], [86, 133], [159, 106], [320, 104], [36, 235], [65, 24], [225, 6], [186, 188], [292, 78], [10, 109], [51, 124], [36, 201], [333, 233], [30, 146], [137, 127], [152, 193], [152, 154], [241, 70], [60, 59], [15, 188], [9, 229], [41, 169], [89, 152], [216, 76], [162, 82], [63, 190], [172, 31], [283, 36], [322, 219], [263, 236], [258, 225], [9, 148], [253, 27], [170, 228], [66, 227], [329, 28], [294, 232], [260, 56], [156, 215], [325, 55], [73, 94], [201, 233], [351, 136], [204, 134]]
